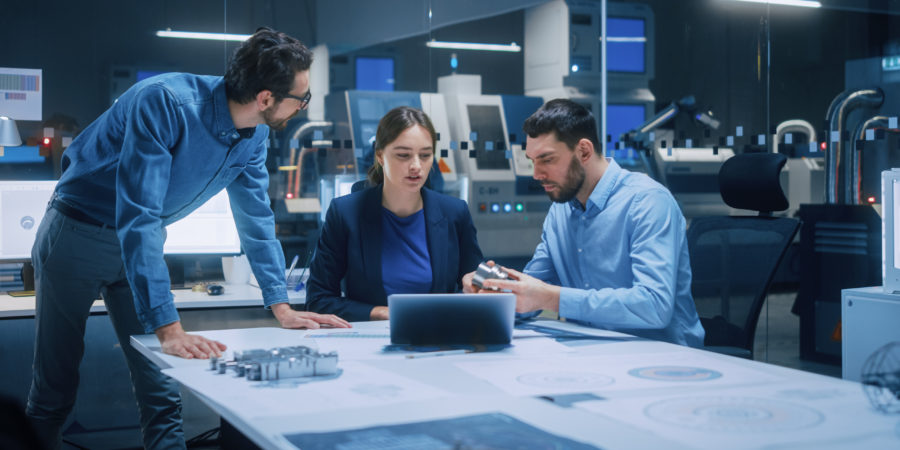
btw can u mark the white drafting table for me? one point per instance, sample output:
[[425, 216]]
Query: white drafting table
[[610, 391], [235, 295]]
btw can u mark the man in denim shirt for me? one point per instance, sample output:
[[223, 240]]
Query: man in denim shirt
[[613, 252], [164, 148]]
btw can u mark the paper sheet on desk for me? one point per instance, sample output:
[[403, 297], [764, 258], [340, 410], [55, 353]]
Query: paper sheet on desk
[[814, 414], [609, 374], [354, 344], [359, 385], [369, 343]]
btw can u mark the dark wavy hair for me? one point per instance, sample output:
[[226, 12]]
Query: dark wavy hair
[[391, 126], [570, 122], [269, 60]]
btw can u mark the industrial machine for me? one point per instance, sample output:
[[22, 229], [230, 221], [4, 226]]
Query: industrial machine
[[507, 207], [567, 64], [840, 242]]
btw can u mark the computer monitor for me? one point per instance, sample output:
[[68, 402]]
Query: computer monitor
[[208, 230], [890, 230], [22, 207]]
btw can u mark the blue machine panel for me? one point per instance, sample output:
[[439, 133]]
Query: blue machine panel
[[626, 45], [374, 74]]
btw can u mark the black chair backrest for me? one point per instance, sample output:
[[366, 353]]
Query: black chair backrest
[[752, 181], [734, 259]]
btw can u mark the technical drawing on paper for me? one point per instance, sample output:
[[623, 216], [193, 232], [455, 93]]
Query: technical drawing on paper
[[675, 373], [733, 414], [379, 391], [566, 379]]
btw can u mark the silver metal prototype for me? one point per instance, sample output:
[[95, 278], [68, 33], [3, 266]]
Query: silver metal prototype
[[278, 363], [485, 272]]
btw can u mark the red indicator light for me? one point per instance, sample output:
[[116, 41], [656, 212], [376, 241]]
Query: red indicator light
[[823, 146], [46, 141], [871, 199], [289, 195]]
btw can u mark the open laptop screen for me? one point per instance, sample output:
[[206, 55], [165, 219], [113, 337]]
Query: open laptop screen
[[451, 319]]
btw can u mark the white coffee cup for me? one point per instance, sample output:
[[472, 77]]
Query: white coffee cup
[[236, 269]]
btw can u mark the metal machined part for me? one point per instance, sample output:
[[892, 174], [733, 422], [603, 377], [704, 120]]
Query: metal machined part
[[485, 272], [279, 363]]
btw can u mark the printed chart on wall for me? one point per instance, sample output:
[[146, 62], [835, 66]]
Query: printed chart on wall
[[821, 414], [608, 374]]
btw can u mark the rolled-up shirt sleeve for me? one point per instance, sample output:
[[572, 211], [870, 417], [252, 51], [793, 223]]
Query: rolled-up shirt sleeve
[[142, 179], [255, 222]]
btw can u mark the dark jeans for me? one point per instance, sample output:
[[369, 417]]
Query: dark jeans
[[73, 263]]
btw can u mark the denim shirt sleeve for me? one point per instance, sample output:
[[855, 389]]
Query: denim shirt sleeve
[[256, 225], [142, 178], [649, 304]]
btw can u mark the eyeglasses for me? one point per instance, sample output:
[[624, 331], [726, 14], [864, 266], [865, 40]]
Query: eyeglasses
[[304, 101]]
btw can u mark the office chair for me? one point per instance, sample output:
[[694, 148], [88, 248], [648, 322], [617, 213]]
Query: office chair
[[734, 258]]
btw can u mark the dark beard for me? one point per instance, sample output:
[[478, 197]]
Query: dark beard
[[275, 124], [573, 183]]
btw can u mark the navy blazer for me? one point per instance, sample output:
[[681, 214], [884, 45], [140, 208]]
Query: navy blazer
[[349, 252]]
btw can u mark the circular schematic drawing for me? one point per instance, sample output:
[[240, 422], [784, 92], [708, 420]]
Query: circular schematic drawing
[[566, 380], [733, 414], [27, 222], [675, 373]]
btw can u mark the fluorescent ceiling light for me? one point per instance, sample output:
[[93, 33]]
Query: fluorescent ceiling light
[[803, 3], [475, 46], [196, 35], [625, 39]]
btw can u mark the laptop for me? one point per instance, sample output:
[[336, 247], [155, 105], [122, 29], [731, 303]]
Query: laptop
[[451, 319]]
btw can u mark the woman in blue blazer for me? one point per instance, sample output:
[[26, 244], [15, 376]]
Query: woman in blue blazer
[[396, 236]]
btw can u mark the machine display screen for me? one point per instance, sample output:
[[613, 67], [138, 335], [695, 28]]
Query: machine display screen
[[210, 229], [621, 119], [626, 42], [486, 122], [374, 74], [22, 207]]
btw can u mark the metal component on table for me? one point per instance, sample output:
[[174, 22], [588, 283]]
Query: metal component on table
[[278, 363], [485, 272]]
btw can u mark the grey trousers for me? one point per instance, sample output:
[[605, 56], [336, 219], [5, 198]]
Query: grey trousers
[[74, 262]]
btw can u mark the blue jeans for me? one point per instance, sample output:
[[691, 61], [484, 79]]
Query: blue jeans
[[73, 263]]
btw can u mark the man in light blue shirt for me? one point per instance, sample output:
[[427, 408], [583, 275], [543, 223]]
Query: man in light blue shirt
[[613, 253]]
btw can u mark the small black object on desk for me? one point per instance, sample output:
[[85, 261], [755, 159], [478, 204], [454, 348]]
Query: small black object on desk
[[215, 289]]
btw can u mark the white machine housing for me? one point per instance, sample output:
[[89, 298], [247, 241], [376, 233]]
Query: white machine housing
[[509, 225]]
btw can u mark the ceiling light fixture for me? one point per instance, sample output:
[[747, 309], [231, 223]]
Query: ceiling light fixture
[[803, 3], [207, 36], [513, 47]]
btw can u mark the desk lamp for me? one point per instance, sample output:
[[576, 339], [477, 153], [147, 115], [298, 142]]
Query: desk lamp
[[9, 134]]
